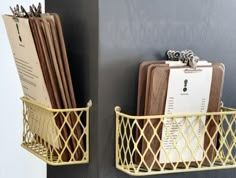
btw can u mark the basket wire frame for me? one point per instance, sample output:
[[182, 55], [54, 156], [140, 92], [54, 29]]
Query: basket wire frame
[[217, 146], [46, 139]]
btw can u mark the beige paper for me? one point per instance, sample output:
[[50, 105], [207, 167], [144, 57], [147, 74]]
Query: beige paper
[[30, 72]]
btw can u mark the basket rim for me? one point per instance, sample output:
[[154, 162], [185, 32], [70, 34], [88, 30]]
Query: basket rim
[[27, 100], [227, 111]]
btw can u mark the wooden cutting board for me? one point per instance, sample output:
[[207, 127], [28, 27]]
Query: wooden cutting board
[[50, 58], [142, 80], [50, 78], [67, 80]]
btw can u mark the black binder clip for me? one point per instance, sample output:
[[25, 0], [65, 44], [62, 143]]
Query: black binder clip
[[15, 13], [19, 11]]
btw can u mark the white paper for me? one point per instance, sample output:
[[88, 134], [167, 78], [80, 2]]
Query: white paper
[[188, 92]]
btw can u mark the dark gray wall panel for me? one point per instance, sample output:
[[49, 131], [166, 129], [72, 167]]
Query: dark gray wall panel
[[108, 49], [80, 27]]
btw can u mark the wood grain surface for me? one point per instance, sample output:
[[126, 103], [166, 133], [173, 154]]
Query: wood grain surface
[[156, 91]]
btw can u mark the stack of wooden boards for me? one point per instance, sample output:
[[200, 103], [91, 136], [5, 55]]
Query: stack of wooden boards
[[39, 51], [152, 99]]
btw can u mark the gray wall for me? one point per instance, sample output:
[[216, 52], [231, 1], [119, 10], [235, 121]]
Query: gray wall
[[128, 32], [80, 27]]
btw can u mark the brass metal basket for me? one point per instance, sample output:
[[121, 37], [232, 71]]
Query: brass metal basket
[[150, 145], [57, 136]]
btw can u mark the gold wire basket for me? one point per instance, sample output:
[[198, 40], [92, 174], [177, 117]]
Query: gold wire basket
[[57, 136], [150, 145]]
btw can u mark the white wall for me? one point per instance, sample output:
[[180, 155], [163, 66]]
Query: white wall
[[15, 162]]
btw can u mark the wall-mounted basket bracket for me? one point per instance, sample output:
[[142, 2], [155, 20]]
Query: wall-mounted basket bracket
[[57, 136], [151, 145]]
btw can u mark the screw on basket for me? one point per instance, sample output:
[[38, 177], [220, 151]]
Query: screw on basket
[[89, 104], [117, 109]]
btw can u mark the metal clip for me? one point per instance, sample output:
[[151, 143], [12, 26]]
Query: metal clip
[[186, 56], [193, 61], [25, 13], [14, 14], [39, 8], [173, 55], [34, 10], [19, 11]]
